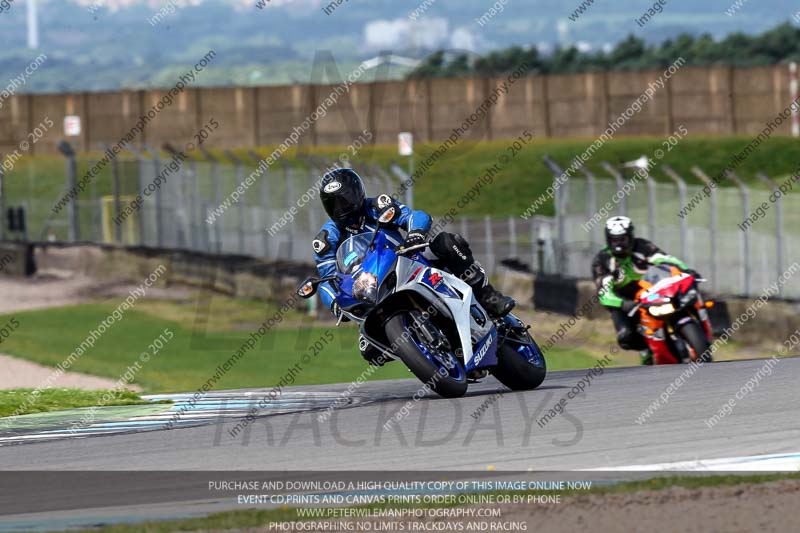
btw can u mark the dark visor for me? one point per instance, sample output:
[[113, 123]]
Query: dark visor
[[619, 241]]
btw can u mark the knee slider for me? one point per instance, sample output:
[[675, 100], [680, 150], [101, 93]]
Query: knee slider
[[625, 338]]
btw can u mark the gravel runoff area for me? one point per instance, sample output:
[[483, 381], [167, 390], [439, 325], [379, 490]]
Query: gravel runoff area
[[765, 507], [24, 294], [18, 373]]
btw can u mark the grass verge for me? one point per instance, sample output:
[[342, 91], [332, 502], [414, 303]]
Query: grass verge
[[204, 340], [56, 399]]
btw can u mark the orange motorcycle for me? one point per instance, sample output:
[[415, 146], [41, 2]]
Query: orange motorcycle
[[674, 317]]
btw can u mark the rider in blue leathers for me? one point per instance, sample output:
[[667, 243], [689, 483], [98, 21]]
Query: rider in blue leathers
[[351, 213]]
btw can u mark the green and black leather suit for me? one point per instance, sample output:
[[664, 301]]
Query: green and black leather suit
[[616, 283]]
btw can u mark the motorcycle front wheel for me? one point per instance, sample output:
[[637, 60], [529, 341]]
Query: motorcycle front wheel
[[434, 365], [695, 336]]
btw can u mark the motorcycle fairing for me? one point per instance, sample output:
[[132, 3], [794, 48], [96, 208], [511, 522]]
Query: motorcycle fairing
[[432, 284], [528, 348]]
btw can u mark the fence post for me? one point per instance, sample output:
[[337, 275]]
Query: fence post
[[217, 197], [387, 179], [591, 202], [185, 180], [560, 206], [288, 177], [684, 224], [619, 179], [697, 171], [115, 192], [74, 231], [140, 212], [264, 189], [779, 235], [409, 200], [652, 205], [745, 195], [159, 213], [179, 186], [313, 213], [94, 210], [403, 177], [239, 204], [195, 220]]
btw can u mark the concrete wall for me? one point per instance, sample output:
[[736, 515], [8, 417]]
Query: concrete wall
[[237, 276], [712, 100]]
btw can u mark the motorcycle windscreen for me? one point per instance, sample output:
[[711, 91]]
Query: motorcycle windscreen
[[656, 273], [665, 281], [362, 269]]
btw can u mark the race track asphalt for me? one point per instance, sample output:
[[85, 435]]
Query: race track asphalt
[[597, 431]]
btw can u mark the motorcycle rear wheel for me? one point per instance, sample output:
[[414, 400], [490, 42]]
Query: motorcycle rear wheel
[[410, 350]]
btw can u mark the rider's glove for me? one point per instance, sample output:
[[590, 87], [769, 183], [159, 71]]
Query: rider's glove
[[627, 305], [415, 237], [337, 312]]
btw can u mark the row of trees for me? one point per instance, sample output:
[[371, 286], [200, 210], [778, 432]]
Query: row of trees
[[777, 45]]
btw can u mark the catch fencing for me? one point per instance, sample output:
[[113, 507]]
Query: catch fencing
[[736, 261], [188, 203], [277, 214], [210, 204]]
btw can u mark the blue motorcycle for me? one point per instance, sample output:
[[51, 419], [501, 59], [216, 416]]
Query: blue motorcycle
[[427, 317]]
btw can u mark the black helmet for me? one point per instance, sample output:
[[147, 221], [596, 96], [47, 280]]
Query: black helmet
[[619, 236], [342, 194]]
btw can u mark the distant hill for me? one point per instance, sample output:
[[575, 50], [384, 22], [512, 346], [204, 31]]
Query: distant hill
[[140, 43]]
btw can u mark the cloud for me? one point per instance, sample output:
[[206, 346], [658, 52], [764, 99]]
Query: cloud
[[402, 33], [464, 39]]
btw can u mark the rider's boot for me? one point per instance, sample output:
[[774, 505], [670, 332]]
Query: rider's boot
[[496, 303], [646, 357]]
